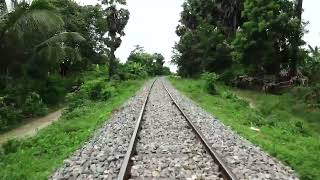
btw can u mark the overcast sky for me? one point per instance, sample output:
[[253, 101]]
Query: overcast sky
[[152, 25]]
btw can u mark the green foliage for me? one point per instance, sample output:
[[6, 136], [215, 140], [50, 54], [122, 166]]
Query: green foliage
[[224, 14], [259, 36], [141, 64], [9, 115], [117, 19], [55, 89], [309, 95], [205, 30], [28, 98], [228, 75], [3, 7], [34, 105], [210, 82], [289, 130], [45, 45], [10, 146], [203, 49], [311, 66], [98, 90], [264, 42], [134, 71], [14, 108]]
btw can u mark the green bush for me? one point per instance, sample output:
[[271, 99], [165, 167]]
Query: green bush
[[9, 115], [92, 90], [210, 80], [313, 97], [20, 102], [34, 106], [132, 71], [230, 74], [233, 97], [98, 90], [229, 95], [55, 89], [11, 146], [310, 95]]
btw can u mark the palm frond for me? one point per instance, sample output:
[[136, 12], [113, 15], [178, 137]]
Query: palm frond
[[60, 54], [311, 49], [60, 38], [38, 21]]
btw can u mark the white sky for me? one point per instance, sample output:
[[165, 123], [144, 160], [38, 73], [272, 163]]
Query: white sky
[[311, 13], [152, 25]]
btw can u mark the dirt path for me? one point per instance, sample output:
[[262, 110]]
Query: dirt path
[[31, 127]]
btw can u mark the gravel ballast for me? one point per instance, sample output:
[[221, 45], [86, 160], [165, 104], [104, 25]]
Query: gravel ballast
[[246, 160], [102, 156], [167, 148]]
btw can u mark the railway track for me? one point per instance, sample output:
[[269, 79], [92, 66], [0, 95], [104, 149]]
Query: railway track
[[168, 145], [159, 141]]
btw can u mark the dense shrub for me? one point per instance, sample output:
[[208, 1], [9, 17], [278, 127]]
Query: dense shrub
[[202, 49], [34, 105], [93, 90], [230, 74], [55, 89], [76, 99], [9, 115], [11, 146], [14, 109], [313, 97], [210, 80], [310, 95], [98, 89]]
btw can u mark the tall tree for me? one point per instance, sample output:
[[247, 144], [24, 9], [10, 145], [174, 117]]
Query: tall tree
[[205, 29], [264, 43], [203, 49], [225, 14], [297, 39], [117, 19]]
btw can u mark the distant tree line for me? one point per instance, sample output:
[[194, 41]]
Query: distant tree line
[[143, 64]]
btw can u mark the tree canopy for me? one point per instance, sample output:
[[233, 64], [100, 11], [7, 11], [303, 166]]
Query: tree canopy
[[46, 44], [259, 36]]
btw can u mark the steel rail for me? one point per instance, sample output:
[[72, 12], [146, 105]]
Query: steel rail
[[125, 167], [226, 172]]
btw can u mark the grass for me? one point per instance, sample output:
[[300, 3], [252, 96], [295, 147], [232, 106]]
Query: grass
[[39, 156], [289, 129]]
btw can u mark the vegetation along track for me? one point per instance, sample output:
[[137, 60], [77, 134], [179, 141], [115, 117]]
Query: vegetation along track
[[167, 145]]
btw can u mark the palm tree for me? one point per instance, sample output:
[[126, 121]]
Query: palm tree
[[32, 29]]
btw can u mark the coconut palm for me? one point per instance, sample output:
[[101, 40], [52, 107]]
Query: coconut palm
[[32, 29]]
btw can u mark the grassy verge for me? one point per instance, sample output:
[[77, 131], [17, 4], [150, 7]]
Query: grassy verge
[[289, 130], [37, 157]]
